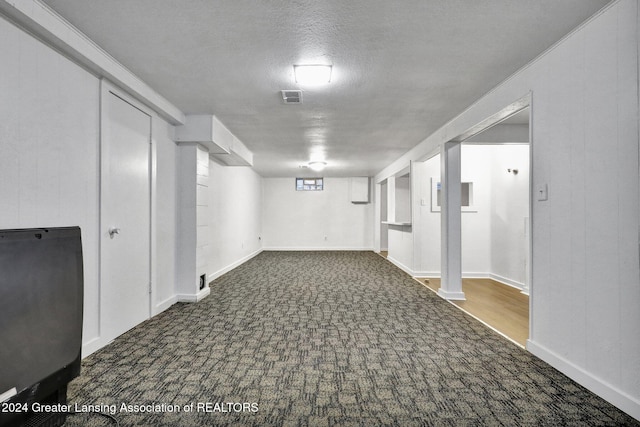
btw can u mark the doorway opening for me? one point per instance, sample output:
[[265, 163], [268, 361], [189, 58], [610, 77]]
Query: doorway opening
[[495, 233], [494, 222]]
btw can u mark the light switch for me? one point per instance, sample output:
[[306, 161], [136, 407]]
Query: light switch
[[542, 192]]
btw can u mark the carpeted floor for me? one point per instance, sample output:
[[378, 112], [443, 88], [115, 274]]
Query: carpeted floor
[[325, 339]]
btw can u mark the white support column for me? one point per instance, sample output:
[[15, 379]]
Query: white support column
[[451, 222], [391, 199], [192, 227], [377, 217]]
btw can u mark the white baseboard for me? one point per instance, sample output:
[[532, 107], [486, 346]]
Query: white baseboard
[[194, 297], [215, 275], [451, 296], [400, 265], [616, 397], [311, 248], [506, 281], [475, 275], [427, 274], [96, 343], [91, 346], [492, 276], [162, 306]]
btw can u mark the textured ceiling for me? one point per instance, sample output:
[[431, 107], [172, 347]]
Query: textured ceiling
[[401, 69]]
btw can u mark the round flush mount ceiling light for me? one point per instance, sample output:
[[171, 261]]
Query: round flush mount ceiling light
[[312, 74], [317, 166]]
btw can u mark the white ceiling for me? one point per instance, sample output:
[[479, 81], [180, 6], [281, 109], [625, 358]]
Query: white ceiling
[[401, 69]]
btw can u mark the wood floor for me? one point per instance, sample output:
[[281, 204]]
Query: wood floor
[[502, 307]]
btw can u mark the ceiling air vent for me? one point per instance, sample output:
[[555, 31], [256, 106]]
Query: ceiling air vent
[[292, 96]]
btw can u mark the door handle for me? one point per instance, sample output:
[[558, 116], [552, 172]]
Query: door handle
[[113, 231]]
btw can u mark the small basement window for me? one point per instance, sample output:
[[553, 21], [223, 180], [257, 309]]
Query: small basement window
[[309, 184]]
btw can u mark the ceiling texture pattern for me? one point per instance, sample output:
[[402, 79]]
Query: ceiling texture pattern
[[401, 69]]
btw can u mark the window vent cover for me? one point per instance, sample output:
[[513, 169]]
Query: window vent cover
[[292, 96]]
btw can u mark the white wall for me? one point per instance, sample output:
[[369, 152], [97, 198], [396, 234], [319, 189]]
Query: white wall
[[586, 308], [403, 199], [235, 222], [476, 167], [49, 117], [585, 293], [427, 222], [476, 224], [509, 213], [400, 210], [314, 219], [400, 240], [166, 214]]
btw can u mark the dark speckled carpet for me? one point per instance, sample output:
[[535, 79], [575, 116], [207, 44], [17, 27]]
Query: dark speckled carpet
[[325, 339]]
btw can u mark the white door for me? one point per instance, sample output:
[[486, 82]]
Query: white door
[[125, 216]]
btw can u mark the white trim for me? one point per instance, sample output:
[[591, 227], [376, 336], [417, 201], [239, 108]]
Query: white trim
[[215, 275], [91, 346], [43, 22], [457, 296], [616, 397], [194, 297], [153, 217], [163, 305], [427, 274], [475, 275], [400, 265], [494, 277], [508, 282]]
